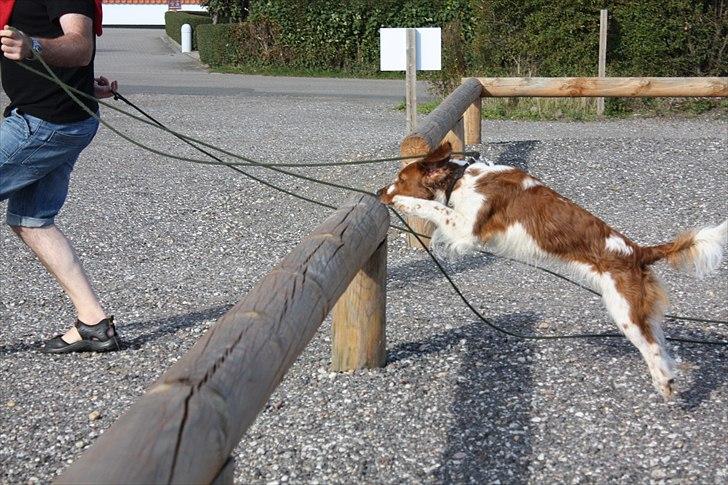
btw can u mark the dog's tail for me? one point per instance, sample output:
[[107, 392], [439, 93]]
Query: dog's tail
[[698, 253]]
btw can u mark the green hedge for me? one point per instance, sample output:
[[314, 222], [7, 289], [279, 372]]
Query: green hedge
[[561, 37], [215, 45], [174, 20], [321, 34], [484, 37]]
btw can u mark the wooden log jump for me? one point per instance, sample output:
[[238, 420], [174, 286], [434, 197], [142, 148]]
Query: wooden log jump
[[621, 87], [185, 427]]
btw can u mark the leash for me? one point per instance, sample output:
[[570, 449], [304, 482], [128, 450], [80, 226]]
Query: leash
[[273, 167]]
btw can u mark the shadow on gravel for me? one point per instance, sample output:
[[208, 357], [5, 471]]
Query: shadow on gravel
[[156, 329], [709, 364], [517, 153], [151, 330], [402, 275], [491, 439], [709, 374]]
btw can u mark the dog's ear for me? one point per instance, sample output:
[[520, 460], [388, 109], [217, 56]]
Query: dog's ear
[[441, 154], [435, 171]]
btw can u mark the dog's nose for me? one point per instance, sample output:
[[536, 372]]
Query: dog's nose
[[381, 192]]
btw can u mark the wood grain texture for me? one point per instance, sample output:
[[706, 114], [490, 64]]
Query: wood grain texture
[[187, 424], [431, 131], [473, 121], [629, 87], [359, 318], [602, 69], [456, 137], [411, 79]]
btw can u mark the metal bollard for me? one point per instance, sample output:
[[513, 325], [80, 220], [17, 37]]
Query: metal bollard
[[186, 38]]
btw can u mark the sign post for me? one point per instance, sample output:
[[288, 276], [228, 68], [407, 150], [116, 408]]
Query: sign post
[[410, 50]]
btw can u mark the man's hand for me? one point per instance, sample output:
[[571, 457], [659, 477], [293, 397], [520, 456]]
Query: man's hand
[[103, 88], [15, 45]]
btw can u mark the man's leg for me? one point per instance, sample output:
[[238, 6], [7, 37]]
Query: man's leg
[[56, 253]]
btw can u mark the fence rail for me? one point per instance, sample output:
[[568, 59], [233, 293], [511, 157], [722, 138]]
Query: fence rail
[[185, 427]]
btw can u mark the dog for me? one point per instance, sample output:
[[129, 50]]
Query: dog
[[508, 212]]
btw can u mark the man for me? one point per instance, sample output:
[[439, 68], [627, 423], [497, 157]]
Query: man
[[41, 136]]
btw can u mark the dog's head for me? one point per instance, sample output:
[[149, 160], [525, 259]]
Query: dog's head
[[422, 179]]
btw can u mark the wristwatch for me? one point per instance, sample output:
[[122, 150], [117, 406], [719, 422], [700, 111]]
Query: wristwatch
[[36, 47]]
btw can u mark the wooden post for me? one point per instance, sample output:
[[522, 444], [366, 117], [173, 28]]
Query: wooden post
[[185, 427], [411, 80], [602, 55], [473, 120], [359, 317], [456, 137]]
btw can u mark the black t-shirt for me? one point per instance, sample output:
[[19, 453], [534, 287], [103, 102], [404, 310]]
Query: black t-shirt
[[31, 93]]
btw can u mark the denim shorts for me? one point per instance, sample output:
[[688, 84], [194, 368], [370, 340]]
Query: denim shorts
[[36, 160]]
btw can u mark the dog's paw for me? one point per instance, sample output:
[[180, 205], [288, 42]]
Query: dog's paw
[[406, 204], [667, 388]]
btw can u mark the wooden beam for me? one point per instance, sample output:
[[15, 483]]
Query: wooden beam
[[186, 426], [431, 131], [473, 120], [629, 87], [359, 318]]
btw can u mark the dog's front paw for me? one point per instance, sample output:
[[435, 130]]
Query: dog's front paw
[[406, 204]]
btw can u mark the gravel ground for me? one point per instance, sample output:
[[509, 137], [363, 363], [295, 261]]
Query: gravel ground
[[171, 246]]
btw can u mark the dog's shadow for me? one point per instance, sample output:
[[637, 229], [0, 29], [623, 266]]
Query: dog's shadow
[[708, 364]]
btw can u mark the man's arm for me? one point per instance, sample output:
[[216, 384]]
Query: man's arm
[[72, 49]]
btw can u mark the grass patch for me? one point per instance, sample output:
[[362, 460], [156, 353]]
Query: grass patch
[[300, 72], [422, 108], [584, 109]]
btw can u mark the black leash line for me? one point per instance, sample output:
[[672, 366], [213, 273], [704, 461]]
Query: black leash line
[[417, 236]]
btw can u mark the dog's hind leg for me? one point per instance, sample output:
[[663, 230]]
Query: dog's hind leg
[[635, 301]]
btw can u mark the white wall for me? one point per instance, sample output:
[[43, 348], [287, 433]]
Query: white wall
[[138, 14]]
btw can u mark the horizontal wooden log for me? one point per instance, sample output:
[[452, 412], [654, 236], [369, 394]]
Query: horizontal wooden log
[[628, 87], [431, 131], [188, 423]]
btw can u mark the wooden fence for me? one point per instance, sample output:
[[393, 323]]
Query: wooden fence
[[188, 423], [458, 117]]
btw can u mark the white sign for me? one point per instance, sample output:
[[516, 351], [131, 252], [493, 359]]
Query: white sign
[[393, 49]]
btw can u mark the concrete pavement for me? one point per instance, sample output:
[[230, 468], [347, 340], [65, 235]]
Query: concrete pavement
[[145, 62]]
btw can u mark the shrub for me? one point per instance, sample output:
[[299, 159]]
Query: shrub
[[174, 20], [217, 44]]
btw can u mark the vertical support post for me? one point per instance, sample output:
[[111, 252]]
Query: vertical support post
[[473, 117], [456, 137], [419, 225], [602, 55], [411, 80], [359, 318]]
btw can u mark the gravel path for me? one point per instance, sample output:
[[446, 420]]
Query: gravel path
[[172, 246]]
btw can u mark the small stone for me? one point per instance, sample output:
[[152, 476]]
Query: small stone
[[10, 404], [94, 416], [459, 455], [79, 444]]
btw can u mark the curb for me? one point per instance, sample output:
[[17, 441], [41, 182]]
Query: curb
[[174, 45]]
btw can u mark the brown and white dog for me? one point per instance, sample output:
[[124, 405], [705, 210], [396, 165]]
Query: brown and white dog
[[508, 212]]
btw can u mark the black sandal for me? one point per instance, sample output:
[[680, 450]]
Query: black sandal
[[101, 337]]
